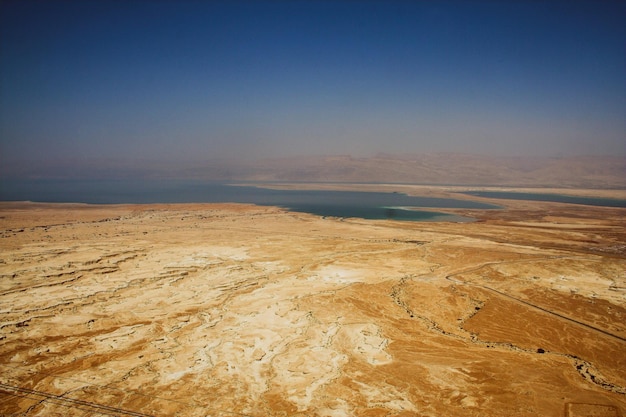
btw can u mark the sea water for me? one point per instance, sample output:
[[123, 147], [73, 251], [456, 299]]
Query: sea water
[[367, 205]]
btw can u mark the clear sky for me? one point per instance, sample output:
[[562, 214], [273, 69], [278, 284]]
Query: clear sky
[[211, 79]]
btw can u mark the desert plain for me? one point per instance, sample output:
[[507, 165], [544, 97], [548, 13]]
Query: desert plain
[[243, 310]]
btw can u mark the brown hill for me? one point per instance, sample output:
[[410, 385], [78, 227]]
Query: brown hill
[[435, 168], [445, 168]]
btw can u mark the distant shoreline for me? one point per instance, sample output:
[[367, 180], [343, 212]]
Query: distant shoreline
[[423, 190]]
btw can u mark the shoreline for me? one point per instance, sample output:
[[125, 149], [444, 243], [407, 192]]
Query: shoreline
[[418, 189]]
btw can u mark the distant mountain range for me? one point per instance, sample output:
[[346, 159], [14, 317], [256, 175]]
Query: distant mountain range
[[434, 168]]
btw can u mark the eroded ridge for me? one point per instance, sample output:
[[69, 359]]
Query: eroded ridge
[[254, 311]]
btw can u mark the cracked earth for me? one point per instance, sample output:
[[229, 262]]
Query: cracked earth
[[240, 310]]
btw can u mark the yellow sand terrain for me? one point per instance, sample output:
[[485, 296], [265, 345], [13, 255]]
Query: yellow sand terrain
[[241, 310]]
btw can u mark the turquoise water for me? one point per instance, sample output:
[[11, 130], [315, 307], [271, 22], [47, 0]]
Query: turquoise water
[[367, 205], [557, 198]]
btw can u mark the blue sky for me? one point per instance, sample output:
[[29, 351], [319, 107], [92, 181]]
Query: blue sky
[[193, 80]]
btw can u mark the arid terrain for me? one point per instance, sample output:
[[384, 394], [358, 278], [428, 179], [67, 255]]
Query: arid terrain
[[430, 168], [243, 310]]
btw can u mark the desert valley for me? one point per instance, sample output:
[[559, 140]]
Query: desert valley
[[244, 310], [313, 208]]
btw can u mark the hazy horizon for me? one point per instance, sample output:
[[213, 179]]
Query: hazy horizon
[[183, 81]]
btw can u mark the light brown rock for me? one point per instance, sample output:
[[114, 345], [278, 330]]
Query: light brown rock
[[230, 310]]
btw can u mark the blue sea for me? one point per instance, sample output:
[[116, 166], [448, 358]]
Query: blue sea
[[367, 205]]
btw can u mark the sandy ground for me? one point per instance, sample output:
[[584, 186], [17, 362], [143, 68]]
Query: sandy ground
[[238, 310]]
